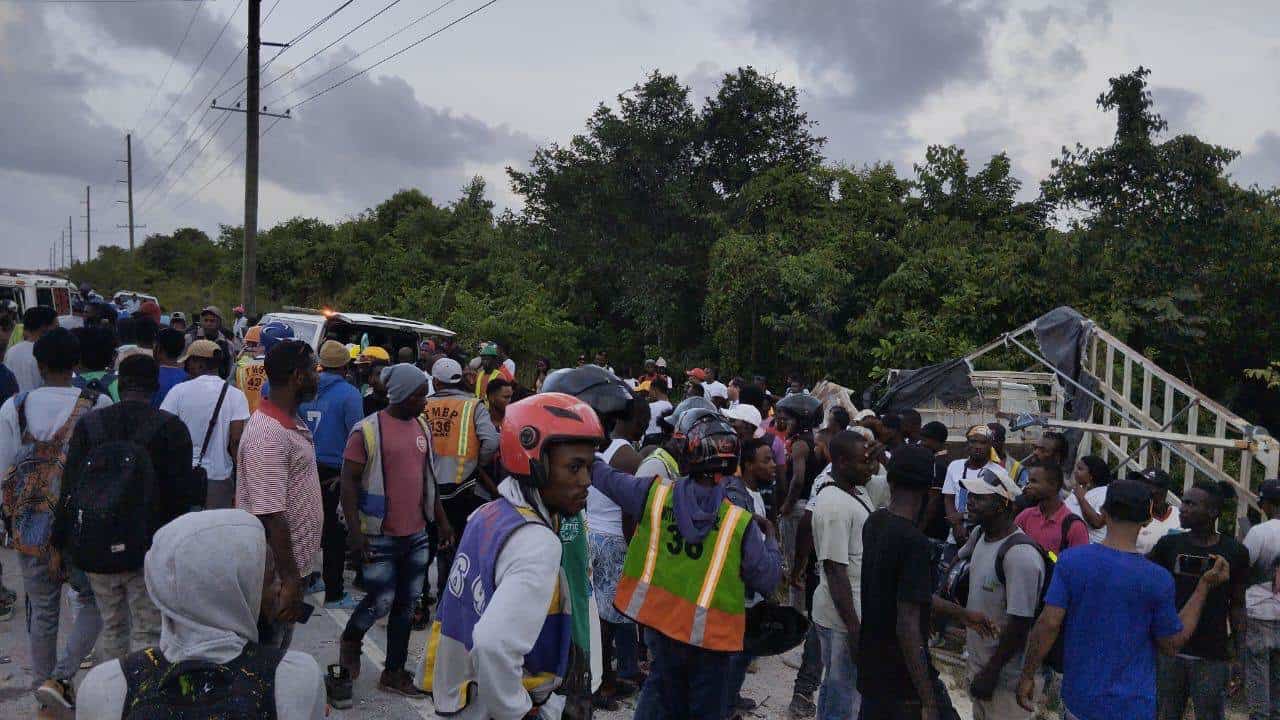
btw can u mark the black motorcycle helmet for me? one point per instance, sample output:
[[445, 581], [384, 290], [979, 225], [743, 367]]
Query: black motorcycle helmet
[[806, 410], [602, 390], [671, 420], [710, 445]]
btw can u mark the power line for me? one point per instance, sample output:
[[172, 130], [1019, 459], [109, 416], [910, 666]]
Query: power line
[[223, 171], [195, 127], [172, 59], [311, 81], [296, 39], [340, 38], [392, 56], [208, 140], [195, 72]]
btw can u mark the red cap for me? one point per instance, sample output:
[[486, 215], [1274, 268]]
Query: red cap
[[151, 310], [697, 374]]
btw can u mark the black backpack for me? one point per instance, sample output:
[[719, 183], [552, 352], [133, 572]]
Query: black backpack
[[110, 505], [198, 690]]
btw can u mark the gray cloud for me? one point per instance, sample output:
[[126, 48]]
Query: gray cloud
[[159, 27], [1177, 106], [893, 53], [51, 129], [374, 133], [1260, 165]]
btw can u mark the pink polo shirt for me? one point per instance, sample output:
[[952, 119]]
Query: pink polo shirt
[[1047, 531]]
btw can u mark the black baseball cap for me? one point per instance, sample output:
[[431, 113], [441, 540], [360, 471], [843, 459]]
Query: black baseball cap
[[1269, 491], [911, 467], [1128, 494]]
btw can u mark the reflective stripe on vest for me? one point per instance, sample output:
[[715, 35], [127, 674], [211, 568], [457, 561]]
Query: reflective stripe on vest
[[686, 595], [453, 431]]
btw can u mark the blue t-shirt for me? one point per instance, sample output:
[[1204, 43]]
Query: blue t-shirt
[[1117, 605], [169, 376]]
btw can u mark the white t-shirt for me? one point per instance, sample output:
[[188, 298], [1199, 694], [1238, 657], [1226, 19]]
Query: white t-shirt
[[510, 365], [1151, 533], [604, 515], [21, 360], [656, 409], [715, 389], [193, 402], [1263, 544], [837, 536], [1095, 497], [47, 410]]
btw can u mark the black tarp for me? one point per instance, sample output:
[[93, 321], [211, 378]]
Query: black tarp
[[947, 381], [1062, 334]]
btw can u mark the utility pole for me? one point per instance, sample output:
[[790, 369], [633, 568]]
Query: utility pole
[[249, 270], [128, 169], [71, 248], [88, 237], [62, 247]]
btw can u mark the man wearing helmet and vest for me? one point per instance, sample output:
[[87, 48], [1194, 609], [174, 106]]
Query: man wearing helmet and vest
[[463, 440], [694, 558], [491, 368], [501, 644]]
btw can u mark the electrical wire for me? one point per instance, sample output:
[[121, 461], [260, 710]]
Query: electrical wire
[[155, 93], [224, 169], [390, 57], [339, 39], [295, 40], [312, 80], [196, 72]]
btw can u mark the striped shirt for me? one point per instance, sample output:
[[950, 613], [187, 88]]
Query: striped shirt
[[277, 473]]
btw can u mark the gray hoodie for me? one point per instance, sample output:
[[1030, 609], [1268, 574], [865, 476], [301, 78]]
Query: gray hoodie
[[208, 605]]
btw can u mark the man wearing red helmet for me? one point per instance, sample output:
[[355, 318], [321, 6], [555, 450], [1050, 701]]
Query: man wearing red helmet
[[502, 640], [693, 560]]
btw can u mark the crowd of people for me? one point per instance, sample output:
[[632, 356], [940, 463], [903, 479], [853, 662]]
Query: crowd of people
[[594, 538]]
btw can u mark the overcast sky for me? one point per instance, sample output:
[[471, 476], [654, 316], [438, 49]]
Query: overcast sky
[[884, 79]]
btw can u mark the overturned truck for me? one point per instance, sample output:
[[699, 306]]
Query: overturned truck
[[1107, 398]]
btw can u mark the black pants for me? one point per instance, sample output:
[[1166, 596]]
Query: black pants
[[333, 537], [457, 509], [882, 708]]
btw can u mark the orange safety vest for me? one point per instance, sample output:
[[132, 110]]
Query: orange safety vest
[[453, 430], [250, 378]]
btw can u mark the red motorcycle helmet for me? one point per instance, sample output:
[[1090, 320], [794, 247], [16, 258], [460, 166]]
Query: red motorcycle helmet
[[539, 421]]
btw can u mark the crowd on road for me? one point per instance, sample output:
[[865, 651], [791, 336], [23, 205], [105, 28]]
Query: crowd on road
[[594, 537]]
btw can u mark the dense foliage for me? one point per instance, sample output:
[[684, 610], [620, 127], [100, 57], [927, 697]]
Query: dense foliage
[[715, 233]]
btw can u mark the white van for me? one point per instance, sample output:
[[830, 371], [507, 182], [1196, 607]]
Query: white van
[[29, 289], [315, 326]]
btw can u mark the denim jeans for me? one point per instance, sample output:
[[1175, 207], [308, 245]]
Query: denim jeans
[[685, 682], [44, 607], [838, 697], [393, 575], [1203, 682], [809, 675], [1262, 668]]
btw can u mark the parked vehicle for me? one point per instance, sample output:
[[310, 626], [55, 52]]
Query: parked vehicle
[[316, 326], [29, 289]]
